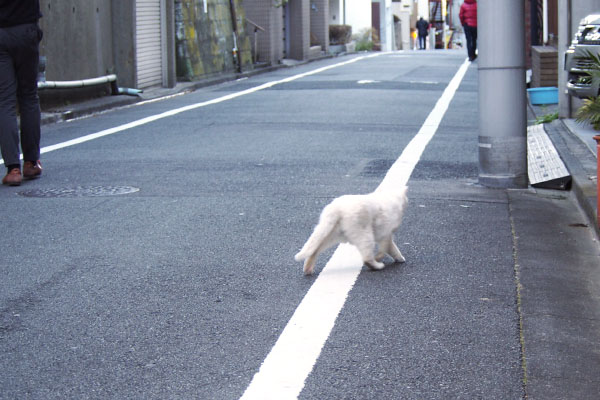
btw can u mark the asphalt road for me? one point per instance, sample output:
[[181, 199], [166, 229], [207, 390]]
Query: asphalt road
[[157, 262]]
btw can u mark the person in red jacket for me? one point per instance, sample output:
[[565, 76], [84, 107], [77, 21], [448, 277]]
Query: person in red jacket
[[468, 19]]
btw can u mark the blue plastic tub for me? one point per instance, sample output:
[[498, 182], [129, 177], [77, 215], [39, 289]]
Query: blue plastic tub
[[543, 95]]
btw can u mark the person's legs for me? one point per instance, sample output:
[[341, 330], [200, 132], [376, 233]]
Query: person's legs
[[474, 34], [9, 134], [469, 33], [26, 62]]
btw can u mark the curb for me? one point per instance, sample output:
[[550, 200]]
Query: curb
[[582, 165]]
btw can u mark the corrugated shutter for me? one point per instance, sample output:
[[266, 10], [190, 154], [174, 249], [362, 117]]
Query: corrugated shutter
[[148, 43]]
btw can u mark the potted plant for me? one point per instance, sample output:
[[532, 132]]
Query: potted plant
[[339, 38], [590, 110]]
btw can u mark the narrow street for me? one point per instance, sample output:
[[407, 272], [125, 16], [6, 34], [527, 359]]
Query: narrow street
[[154, 259]]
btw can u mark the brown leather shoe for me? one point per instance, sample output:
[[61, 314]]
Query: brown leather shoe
[[32, 170], [13, 177]]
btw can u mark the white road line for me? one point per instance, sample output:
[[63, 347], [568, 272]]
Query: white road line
[[176, 111], [292, 358]]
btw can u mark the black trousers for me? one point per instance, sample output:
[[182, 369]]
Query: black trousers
[[471, 35], [19, 59]]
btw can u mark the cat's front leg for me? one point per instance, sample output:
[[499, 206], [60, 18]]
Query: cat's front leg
[[374, 264], [393, 251], [309, 264]]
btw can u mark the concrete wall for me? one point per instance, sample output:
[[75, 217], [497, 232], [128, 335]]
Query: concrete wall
[[90, 38], [243, 39], [86, 39], [270, 42], [303, 20], [204, 40], [299, 17], [402, 29], [319, 23], [77, 38], [336, 12], [123, 38]]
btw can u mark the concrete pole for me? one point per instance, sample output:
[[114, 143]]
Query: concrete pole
[[386, 22], [502, 94], [444, 26]]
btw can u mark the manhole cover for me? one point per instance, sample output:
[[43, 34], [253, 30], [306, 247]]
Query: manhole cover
[[80, 191]]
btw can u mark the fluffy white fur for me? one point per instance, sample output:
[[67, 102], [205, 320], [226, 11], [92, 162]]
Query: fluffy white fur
[[361, 220]]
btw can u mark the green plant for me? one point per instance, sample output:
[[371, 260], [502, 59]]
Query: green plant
[[365, 39], [593, 60], [546, 119], [590, 110], [584, 80]]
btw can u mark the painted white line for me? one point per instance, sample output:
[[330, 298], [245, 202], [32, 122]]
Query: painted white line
[[190, 107], [285, 369], [400, 171]]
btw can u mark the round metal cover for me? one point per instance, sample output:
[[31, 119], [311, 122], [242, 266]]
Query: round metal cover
[[80, 191]]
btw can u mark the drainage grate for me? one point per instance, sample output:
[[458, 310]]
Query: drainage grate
[[545, 167], [80, 191]]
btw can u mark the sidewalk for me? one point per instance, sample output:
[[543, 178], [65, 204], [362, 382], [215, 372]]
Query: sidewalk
[[558, 272]]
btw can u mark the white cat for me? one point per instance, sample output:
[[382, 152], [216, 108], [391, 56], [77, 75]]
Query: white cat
[[361, 220]]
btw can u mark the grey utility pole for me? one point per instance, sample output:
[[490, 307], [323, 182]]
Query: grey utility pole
[[502, 93]]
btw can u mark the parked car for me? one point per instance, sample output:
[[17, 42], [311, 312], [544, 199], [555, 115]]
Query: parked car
[[587, 39]]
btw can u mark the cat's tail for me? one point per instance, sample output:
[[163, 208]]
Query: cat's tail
[[326, 225]]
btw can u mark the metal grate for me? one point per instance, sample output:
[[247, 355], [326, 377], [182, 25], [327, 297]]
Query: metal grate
[[80, 191], [544, 162]]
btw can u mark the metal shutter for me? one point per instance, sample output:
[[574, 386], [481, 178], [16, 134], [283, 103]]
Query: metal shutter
[[148, 43]]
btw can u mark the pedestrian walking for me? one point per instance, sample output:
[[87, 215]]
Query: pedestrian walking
[[20, 37], [423, 31], [468, 19]]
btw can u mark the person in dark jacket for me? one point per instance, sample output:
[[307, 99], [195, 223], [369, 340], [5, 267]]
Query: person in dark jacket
[[422, 31], [468, 19], [20, 37]]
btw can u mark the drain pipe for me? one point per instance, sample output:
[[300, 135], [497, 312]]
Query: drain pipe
[[235, 51], [112, 79]]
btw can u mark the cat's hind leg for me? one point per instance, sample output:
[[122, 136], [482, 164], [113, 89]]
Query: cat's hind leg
[[309, 263]]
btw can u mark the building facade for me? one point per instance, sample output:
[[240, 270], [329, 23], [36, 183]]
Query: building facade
[[149, 43]]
